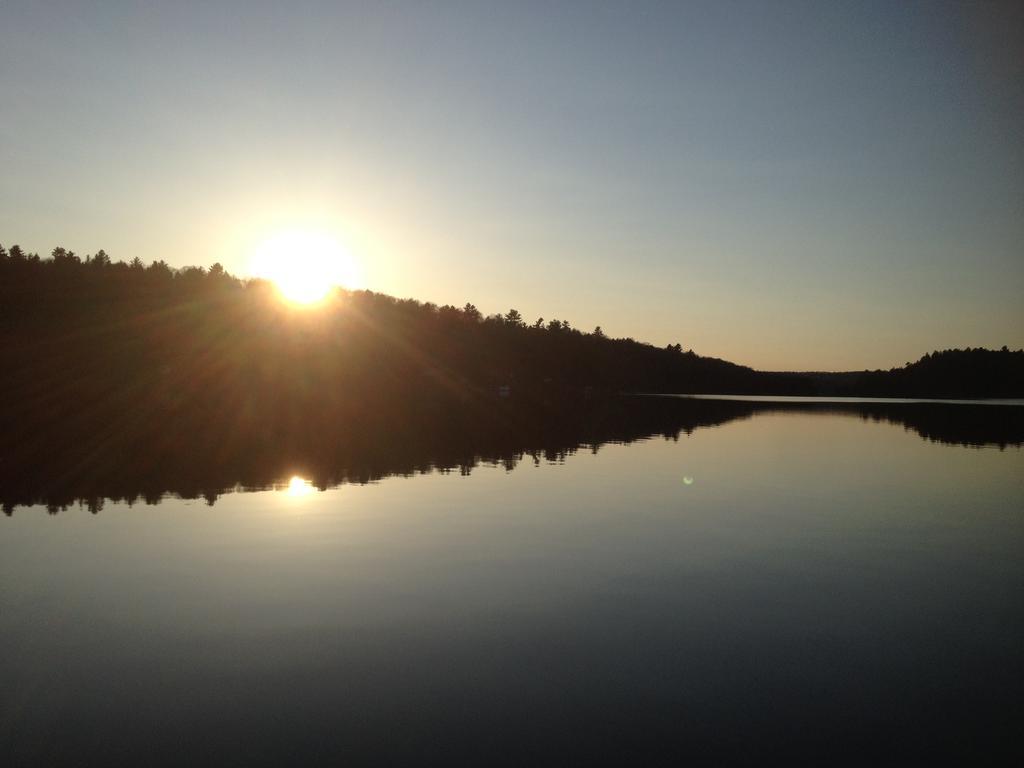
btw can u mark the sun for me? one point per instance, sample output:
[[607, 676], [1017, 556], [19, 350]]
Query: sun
[[298, 486], [305, 266]]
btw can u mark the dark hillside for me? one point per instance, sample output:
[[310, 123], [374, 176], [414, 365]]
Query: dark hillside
[[93, 347]]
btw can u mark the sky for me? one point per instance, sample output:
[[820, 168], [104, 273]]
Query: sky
[[814, 186]]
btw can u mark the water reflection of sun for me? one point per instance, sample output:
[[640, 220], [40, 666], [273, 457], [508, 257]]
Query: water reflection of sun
[[305, 266]]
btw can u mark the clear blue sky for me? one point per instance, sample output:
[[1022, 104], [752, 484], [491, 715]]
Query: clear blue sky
[[787, 185]]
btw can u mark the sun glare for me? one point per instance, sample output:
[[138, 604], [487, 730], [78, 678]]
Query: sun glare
[[305, 266], [298, 487]]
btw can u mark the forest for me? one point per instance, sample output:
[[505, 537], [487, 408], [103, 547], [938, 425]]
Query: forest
[[89, 332]]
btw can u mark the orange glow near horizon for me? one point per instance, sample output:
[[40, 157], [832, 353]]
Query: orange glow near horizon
[[305, 266]]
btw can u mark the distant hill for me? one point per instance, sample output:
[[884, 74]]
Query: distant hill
[[952, 373]]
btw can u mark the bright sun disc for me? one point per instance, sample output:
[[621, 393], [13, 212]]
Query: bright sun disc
[[305, 266], [298, 486]]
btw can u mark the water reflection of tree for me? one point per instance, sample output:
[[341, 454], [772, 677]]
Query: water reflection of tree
[[448, 437]]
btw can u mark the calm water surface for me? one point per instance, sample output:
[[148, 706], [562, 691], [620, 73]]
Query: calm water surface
[[791, 584]]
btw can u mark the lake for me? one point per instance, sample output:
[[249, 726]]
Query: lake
[[753, 582]]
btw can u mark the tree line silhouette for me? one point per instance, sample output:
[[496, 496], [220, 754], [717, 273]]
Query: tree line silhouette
[[113, 366], [154, 324]]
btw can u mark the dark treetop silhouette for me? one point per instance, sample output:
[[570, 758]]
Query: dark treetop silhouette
[[121, 379]]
